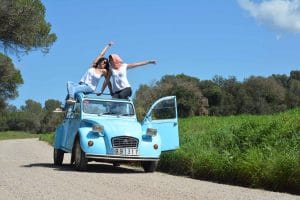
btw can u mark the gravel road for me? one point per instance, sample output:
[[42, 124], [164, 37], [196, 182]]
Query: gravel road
[[26, 172]]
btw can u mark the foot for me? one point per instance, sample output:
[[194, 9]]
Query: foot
[[71, 101], [58, 110]]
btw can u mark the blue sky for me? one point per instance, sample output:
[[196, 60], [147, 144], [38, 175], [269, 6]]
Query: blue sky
[[199, 38]]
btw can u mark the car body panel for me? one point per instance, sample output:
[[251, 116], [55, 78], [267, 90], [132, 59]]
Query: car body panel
[[167, 128]]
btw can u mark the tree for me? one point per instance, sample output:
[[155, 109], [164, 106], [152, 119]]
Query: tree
[[29, 118], [266, 93], [190, 100], [50, 120], [295, 75], [23, 27], [10, 79]]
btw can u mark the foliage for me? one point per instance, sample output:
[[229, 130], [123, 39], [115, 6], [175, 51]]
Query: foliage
[[16, 135], [10, 79], [223, 96], [190, 100], [47, 137], [255, 151], [32, 117], [50, 120], [23, 27]]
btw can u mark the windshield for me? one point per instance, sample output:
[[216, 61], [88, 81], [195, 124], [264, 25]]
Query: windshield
[[107, 108]]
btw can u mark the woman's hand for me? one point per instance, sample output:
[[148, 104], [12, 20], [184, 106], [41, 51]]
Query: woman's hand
[[110, 43], [152, 62]]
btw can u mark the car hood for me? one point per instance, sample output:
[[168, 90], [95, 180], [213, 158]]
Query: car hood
[[118, 126]]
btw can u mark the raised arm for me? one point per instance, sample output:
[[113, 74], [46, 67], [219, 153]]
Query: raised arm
[[101, 54], [137, 64]]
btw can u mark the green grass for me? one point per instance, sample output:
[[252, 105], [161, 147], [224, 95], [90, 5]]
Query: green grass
[[47, 137], [253, 151], [6, 135]]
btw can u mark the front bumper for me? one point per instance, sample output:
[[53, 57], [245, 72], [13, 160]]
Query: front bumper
[[98, 157]]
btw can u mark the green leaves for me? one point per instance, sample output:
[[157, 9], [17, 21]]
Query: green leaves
[[23, 27], [10, 79]]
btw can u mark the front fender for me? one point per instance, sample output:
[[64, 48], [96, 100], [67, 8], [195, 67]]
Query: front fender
[[85, 135]]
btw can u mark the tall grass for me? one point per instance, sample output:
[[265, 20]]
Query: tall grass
[[253, 151]]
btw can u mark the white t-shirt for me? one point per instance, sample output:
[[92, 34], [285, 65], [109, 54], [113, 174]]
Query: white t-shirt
[[91, 78], [119, 78]]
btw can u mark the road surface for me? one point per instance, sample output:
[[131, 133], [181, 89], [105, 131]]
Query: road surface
[[27, 173]]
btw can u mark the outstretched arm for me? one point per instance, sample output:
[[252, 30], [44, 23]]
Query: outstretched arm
[[137, 64], [101, 54]]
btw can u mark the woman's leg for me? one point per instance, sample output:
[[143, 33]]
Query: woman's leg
[[125, 93], [74, 88], [116, 95]]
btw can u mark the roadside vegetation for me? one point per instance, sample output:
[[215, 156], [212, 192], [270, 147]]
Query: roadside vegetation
[[6, 135], [247, 150], [47, 137]]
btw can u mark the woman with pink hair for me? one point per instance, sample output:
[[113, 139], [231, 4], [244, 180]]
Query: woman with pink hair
[[118, 72]]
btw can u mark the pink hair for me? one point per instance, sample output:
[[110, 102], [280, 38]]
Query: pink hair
[[116, 61]]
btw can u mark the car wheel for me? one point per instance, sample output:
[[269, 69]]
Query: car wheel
[[80, 159], [58, 156], [149, 166], [72, 156]]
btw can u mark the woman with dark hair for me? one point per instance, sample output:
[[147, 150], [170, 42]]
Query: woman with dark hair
[[89, 81]]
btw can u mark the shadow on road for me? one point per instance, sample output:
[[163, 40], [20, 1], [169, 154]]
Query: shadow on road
[[92, 168]]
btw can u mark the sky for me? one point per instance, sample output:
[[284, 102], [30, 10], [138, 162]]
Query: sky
[[202, 39]]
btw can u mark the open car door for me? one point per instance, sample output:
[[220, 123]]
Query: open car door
[[163, 117]]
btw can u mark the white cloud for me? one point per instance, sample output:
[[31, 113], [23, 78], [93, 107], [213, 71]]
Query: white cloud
[[281, 15]]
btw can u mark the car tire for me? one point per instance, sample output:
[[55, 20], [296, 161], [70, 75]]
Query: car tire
[[72, 160], [149, 166], [58, 156], [80, 161]]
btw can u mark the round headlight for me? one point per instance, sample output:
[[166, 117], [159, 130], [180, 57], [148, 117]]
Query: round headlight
[[98, 128]]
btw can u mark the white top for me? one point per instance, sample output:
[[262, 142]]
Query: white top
[[119, 78], [91, 78]]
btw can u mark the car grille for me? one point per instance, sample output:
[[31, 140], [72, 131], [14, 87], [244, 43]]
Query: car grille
[[124, 142]]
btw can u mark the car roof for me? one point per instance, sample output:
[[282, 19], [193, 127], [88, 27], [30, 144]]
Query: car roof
[[94, 96]]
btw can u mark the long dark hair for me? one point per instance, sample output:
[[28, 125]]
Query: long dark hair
[[106, 63]]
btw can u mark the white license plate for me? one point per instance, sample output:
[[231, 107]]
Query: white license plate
[[126, 151]]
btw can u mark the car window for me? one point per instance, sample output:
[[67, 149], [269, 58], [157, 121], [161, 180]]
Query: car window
[[108, 108], [164, 110]]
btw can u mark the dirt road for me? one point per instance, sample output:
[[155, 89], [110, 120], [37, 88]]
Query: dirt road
[[26, 172]]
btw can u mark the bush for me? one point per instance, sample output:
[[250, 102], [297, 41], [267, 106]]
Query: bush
[[253, 151]]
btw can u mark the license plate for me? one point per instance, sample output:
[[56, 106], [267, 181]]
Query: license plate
[[126, 151]]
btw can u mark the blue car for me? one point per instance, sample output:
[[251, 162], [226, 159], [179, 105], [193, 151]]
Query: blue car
[[102, 129]]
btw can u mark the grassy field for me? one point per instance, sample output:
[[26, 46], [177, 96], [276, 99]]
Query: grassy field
[[16, 135], [253, 151]]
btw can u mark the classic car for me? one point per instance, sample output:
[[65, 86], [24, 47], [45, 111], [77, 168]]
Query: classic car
[[102, 129]]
